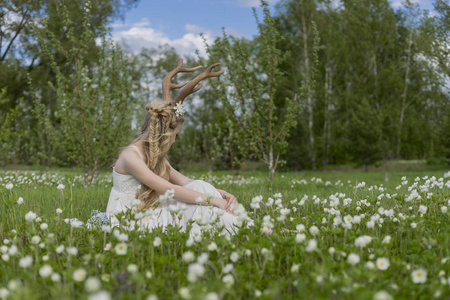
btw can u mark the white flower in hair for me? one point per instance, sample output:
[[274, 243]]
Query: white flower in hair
[[179, 109]]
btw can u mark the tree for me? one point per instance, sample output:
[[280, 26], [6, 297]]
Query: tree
[[411, 64], [21, 58], [298, 24], [10, 133], [94, 102], [15, 18], [221, 145], [365, 132], [436, 31], [437, 28], [248, 91]]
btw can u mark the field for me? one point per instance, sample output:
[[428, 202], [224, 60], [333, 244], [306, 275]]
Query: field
[[317, 235]]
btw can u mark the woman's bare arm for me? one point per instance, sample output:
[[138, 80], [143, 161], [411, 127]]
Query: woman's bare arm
[[231, 199], [178, 178], [136, 167]]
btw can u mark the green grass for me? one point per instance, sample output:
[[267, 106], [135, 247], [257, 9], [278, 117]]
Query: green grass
[[266, 271]]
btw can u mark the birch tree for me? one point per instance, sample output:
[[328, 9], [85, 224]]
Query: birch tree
[[298, 24], [412, 14]]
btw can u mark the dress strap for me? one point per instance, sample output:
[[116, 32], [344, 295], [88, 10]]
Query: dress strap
[[138, 151]]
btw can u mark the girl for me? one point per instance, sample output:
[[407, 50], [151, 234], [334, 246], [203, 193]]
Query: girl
[[142, 173]]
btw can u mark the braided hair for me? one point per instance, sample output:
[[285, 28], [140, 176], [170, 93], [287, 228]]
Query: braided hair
[[159, 127]]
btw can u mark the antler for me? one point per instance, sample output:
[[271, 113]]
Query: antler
[[167, 82], [191, 87]]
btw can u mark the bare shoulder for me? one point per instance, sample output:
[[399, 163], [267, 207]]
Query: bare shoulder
[[126, 158]]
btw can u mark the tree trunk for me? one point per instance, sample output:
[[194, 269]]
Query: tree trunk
[[306, 71], [311, 134], [404, 105], [16, 155], [86, 175], [386, 171], [271, 174], [327, 110], [385, 160], [271, 166]]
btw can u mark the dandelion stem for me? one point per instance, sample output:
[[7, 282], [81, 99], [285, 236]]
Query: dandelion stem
[[152, 260]]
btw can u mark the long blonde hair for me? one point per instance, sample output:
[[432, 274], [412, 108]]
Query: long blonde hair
[[160, 125]]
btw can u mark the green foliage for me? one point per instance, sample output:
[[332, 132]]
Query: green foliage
[[444, 135], [437, 28], [365, 133], [221, 146], [11, 131], [249, 87], [366, 51], [21, 57], [94, 103]]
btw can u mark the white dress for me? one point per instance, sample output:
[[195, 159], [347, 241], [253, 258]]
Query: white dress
[[171, 211]]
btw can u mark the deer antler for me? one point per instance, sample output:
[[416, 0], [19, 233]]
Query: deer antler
[[167, 82], [191, 86]]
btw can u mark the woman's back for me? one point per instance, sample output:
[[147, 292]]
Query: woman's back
[[125, 187]]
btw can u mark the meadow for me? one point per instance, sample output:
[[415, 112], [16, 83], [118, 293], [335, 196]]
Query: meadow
[[316, 235]]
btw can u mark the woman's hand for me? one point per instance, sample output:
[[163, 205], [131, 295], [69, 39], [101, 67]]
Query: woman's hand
[[231, 200], [222, 204]]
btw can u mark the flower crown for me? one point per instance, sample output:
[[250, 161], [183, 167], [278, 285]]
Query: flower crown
[[179, 109]]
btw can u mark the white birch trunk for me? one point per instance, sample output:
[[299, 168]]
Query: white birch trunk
[[309, 100], [404, 105], [327, 112], [271, 165]]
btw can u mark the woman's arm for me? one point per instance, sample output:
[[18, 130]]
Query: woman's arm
[[178, 178], [231, 199], [136, 167]]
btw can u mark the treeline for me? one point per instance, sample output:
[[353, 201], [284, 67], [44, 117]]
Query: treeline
[[364, 83], [382, 87]]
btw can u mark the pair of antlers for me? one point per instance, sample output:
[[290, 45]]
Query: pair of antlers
[[190, 86]]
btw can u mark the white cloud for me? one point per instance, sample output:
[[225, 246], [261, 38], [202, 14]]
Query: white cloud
[[139, 37], [142, 23], [192, 28], [119, 25], [253, 3], [397, 3], [336, 3], [211, 33], [401, 3], [189, 43], [146, 37]]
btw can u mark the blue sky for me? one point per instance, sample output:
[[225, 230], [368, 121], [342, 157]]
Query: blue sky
[[179, 22]]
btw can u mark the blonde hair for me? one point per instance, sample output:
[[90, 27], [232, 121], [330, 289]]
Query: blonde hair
[[160, 125]]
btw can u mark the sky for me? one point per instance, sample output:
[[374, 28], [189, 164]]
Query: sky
[[179, 22]]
